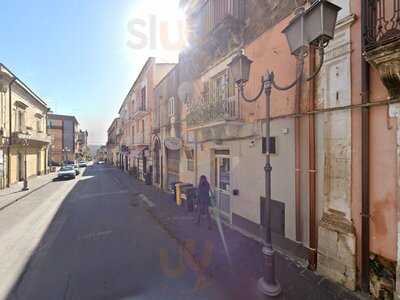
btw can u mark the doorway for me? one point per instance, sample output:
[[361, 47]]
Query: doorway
[[38, 164], [223, 185]]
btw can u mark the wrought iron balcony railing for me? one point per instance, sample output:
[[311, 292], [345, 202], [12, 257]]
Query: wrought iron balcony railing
[[203, 113], [214, 12], [383, 22]]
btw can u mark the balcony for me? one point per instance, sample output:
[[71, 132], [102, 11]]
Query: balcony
[[140, 112], [382, 41], [214, 13], [383, 22], [215, 120], [32, 136]]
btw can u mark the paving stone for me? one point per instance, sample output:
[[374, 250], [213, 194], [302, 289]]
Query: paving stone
[[244, 254]]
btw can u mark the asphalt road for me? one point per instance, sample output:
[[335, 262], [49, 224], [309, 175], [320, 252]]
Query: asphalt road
[[92, 238]]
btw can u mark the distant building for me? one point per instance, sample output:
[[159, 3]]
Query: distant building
[[83, 149], [101, 154], [113, 142], [64, 132]]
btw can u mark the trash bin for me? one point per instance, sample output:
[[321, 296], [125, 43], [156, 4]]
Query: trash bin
[[178, 194], [182, 195], [172, 189]]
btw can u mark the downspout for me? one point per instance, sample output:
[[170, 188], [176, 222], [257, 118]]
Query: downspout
[[297, 141], [365, 209], [10, 131], [313, 256]]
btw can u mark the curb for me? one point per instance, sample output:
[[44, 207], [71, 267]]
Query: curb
[[24, 196]]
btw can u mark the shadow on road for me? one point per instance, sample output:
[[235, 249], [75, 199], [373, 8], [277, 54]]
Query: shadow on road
[[101, 246]]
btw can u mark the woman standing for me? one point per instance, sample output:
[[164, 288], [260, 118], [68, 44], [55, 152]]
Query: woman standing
[[204, 200]]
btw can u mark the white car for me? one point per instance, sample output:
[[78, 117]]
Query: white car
[[67, 172]]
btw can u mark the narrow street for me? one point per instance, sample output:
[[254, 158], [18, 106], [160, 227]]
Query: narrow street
[[106, 236], [90, 239]]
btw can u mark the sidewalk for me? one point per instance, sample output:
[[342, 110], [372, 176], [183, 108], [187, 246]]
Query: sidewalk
[[10, 195], [240, 277]]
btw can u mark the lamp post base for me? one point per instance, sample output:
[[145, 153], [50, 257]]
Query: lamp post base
[[267, 289], [25, 187], [269, 285]]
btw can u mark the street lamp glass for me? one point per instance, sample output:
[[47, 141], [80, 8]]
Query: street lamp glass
[[240, 68], [320, 21], [295, 34]]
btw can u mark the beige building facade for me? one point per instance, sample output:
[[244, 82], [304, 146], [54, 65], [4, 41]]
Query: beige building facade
[[25, 141]]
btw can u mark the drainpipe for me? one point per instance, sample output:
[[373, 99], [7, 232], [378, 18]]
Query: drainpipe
[[9, 131], [365, 209], [297, 141], [313, 256], [196, 166]]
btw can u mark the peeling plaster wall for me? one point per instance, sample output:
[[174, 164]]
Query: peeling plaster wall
[[336, 236]]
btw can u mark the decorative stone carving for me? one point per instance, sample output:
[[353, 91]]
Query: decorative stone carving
[[386, 59]]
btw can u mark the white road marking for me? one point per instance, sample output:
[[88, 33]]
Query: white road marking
[[95, 235], [95, 195], [146, 200]]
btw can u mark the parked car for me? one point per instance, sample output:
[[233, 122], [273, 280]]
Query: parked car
[[100, 162], [66, 172], [75, 167], [83, 164]]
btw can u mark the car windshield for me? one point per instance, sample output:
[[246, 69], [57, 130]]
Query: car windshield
[[67, 168]]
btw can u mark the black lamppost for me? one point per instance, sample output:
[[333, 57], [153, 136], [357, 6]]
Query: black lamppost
[[313, 27], [25, 140]]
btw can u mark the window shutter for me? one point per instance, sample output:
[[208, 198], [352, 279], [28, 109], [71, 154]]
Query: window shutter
[[225, 86], [206, 88]]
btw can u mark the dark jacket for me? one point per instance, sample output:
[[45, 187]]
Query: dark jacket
[[204, 194]]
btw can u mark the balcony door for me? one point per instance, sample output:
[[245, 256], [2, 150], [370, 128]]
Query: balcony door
[[223, 185]]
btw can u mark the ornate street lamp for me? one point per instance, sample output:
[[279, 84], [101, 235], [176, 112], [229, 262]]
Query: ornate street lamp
[[312, 27]]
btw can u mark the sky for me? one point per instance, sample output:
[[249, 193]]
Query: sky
[[82, 56]]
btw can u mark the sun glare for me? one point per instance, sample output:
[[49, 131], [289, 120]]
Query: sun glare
[[157, 28]]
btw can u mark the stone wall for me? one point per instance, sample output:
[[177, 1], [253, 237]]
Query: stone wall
[[336, 234]]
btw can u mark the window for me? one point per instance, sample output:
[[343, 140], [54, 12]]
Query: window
[[143, 131], [38, 125], [20, 125], [133, 134], [143, 99], [171, 106], [190, 159], [220, 87]]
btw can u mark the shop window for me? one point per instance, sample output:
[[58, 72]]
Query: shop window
[[190, 160]]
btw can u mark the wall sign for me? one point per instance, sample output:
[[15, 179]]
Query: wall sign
[[173, 144]]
